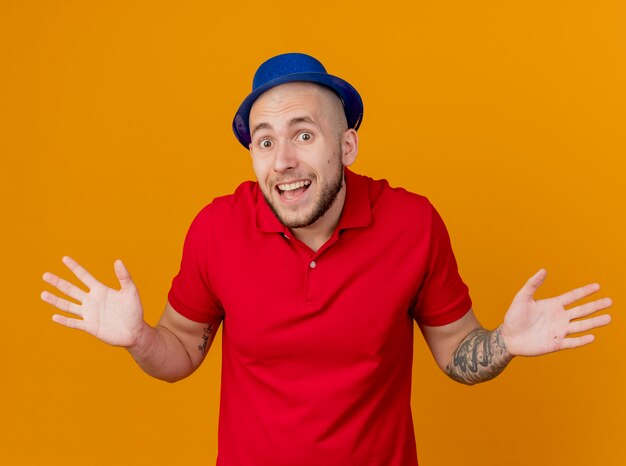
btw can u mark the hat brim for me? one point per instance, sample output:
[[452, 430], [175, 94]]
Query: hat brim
[[352, 103]]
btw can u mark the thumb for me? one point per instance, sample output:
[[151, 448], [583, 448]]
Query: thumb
[[530, 287], [122, 274]]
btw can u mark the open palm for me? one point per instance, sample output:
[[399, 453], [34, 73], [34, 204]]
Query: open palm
[[113, 316], [532, 328]]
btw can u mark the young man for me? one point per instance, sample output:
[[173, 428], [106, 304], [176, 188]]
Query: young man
[[316, 275]]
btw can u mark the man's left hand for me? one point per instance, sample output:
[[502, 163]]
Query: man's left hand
[[533, 328]]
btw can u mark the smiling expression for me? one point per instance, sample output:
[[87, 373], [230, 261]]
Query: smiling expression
[[300, 144]]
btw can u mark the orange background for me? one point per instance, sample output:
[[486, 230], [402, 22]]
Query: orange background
[[115, 130]]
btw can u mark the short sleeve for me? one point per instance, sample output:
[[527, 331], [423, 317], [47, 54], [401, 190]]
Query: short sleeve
[[191, 294], [443, 297]]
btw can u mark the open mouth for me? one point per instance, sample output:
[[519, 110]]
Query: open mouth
[[292, 191]]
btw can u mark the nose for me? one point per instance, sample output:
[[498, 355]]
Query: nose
[[285, 157]]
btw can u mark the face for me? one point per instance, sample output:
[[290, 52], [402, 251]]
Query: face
[[300, 144]]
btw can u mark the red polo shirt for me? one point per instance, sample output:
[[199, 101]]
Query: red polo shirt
[[317, 346]]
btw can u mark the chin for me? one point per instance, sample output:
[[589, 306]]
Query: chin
[[295, 221]]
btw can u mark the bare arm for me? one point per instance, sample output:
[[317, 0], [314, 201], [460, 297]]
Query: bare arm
[[170, 351], [467, 352], [175, 347], [481, 356], [470, 354]]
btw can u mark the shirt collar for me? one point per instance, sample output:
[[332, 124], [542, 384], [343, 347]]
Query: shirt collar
[[357, 211], [265, 218]]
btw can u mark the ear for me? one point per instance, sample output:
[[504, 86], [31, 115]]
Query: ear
[[349, 146]]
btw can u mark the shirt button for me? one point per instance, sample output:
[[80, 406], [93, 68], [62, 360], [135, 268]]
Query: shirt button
[[312, 264]]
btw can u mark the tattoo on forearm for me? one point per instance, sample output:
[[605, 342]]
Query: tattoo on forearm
[[206, 338], [481, 356]]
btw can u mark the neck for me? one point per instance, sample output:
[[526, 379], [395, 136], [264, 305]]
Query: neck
[[315, 235]]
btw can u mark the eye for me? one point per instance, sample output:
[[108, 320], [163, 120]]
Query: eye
[[305, 136], [265, 143]]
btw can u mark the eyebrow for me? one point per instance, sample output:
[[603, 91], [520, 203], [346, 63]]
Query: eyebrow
[[293, 122], [260, 126]]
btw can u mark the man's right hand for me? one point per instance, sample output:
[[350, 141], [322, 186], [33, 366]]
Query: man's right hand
[[113, 316]]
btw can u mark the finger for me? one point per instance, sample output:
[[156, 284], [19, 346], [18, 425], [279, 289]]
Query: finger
[[528, 290], [64, 286], [62, 304], [579, 293], [576, 342], [588, 324], [80, 272], [71, 323], [122, 273], [589, 308]]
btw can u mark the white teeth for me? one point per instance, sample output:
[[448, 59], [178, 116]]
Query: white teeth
[[292, 186]]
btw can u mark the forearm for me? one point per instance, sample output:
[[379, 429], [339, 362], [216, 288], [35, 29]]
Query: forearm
[[481, 356], [161, 354]]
